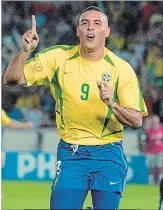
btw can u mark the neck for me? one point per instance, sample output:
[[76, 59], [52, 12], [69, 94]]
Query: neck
[[92, 55]]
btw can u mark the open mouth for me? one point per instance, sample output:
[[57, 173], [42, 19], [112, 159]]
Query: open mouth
[[90, 37]]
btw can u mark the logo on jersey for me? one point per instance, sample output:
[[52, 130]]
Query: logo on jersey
[[106, 77]]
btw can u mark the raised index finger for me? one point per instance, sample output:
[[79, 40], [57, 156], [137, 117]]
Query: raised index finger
[[33, 25]]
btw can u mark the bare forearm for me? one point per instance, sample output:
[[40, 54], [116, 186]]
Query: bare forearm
[[17, 124], [14, 72], [121, 119], [126, 116]]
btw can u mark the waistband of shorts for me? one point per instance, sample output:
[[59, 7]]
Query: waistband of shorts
[[103, 145]]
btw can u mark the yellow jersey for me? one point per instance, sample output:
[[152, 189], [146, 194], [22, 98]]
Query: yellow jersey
[[81, 116], [5, 119]]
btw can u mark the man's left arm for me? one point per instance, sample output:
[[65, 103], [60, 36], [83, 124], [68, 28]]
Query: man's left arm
[[130, 106], [126, 116]]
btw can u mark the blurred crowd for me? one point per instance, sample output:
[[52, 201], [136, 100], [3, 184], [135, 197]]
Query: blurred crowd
[[151, 143], [136, 36]]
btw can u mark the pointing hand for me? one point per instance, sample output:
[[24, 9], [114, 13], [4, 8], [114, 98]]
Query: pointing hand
[[30, 39]]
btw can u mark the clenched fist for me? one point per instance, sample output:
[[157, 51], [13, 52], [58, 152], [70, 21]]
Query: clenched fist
[[30, 39], [106, 93]]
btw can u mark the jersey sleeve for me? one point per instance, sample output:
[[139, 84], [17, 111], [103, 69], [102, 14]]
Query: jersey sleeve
[[129, 91], [5, 119], [40, 69]]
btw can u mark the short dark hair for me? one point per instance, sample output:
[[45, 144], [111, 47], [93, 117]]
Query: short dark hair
[[95, 9]]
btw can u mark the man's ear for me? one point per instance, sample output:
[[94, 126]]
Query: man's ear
[[77, 31], [107, 32]]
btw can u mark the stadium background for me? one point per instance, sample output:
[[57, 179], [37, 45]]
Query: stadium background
[[136, 36]]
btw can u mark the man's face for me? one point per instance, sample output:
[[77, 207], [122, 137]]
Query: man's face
[[92, 30]]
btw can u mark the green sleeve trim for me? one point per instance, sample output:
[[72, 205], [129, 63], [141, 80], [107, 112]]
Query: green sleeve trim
[[141, 100], [74, 56], [63, 47], [55, 82], [108, 59]]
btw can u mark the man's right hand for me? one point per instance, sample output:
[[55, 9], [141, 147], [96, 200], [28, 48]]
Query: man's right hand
[[28, 125], [30, 39]]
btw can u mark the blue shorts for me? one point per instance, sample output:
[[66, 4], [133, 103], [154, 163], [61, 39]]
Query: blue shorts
[[96, 168]]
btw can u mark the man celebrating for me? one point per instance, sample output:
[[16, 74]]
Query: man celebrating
[[96, 93]]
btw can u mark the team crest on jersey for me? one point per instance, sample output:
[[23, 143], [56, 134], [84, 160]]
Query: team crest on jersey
[[106, 77]]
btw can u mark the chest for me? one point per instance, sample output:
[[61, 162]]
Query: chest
[[77, 77]]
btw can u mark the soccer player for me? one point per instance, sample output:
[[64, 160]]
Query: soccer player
[[96, 93], [6, 121]]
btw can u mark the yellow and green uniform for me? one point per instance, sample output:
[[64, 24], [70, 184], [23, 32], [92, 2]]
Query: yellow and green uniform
[[82, 118], [5, 119]]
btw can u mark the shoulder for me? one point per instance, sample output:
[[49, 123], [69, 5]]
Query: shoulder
[[60, 51], [120, 64], [3, 113]]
